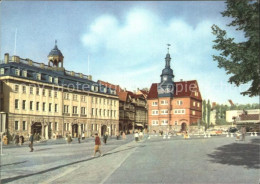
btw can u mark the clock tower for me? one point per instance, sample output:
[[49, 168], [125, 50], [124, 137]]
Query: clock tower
[[166, 86]]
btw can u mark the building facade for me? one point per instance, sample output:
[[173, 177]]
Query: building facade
[[53, 102], [132, 108], [173, 106]]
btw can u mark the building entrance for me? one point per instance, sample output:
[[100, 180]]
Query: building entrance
[[75, 130], [103, 130], [183, 127], [36, 128]]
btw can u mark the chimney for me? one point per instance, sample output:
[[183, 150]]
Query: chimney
[[124, 89], [6, 58]]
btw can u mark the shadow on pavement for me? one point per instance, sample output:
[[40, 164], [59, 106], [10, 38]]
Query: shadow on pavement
[[238, 154], [16, 163], [61, 166]]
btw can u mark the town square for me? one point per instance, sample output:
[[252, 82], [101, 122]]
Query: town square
[[130, 92]]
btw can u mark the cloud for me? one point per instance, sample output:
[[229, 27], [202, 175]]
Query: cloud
[[132, 51]]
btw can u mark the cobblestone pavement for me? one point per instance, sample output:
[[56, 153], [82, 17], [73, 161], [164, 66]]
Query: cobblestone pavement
[[156, 160]]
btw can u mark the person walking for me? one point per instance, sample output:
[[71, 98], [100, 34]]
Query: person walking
[[69, 139], [79, 137], [5, 140], [16, 139], [97, 145], [31, 142], [243, 132], [105, 137], [136, 136]]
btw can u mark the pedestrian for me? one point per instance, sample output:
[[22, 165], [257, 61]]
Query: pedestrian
[[124, 136], [21, 140], [83, 136], [79, 137], [31, 142], [16, 139], [141, 135], [243, 132], [5, 140], [136, 136], [117, 136], [69, 139], [97, 145], [105, 137]]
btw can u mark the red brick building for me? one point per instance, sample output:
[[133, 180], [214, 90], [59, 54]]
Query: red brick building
[[173, 105]]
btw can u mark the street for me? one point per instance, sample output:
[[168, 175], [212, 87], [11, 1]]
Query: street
[[156, 160]]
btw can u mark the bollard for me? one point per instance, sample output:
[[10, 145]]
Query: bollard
[[205, 135], [232, 135], [209, 135], [169, 137], [251, 134], [149, 137], [188, 136], [227, 134], [164, 137], [156, 135], [255, 134]]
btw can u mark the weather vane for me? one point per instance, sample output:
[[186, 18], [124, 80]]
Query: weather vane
[[168, 47]]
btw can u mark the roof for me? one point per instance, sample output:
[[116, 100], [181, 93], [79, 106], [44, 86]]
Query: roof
[[112, 86], [182, 89], [55, 52]]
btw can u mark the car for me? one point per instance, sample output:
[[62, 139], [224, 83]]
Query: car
[[232, 130], [214, 132]]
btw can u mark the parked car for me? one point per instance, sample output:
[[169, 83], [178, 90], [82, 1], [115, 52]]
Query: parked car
[[232, 129], [214, 132]]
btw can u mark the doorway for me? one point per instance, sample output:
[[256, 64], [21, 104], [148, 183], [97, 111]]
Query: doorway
[[183, 127], [75, 130], [36, 128], [103, 129]]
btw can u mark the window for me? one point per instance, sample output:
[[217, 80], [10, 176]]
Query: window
[[17, 72], [24, 73], [55, 94], [37, 91], [104, 112], [83, 110], [43, 92], [24, 125], [155, 112], [56, 126], [155, 122], [24, 89], [66, 96], [2, 71], [16, 104], [104, 101], [164, 102], [38, 76], [193, 112], [92, 111], [66, 109], [194, 103], [164, 122], [96, 112], [114, 113], [96, 100], [179, 102], [37, 106], [75, 97], [49, 107], [56, 80], [31, 105], [175, 122], [31, 90], [198, 104], [179, 111], [155, 104], [165, 111], [56, 108], [16, 125], [100, 100], [196, 93], [100, 113], [50, 79], [43, 106], [75, 110], [16, 88], [83, 98], [50, 93], [24, 101]]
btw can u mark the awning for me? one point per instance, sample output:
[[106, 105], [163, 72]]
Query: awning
[[138, 124]]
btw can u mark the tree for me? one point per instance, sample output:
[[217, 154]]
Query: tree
[[204, 106], [208, 113], [240, 59]]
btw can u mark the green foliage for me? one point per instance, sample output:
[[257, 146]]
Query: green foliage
[[241, 60]]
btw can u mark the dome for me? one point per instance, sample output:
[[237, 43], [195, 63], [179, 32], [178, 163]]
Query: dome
[[55, 52], [167, 71]]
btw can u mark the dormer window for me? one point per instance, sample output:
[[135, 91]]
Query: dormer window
[[50, 79], [24, 73], [38, 76], [105, 90], [17, 72], [96, 88], [92, 88], [2, 71], [56, 80]]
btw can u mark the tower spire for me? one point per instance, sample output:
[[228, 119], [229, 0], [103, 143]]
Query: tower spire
[[168, 47]]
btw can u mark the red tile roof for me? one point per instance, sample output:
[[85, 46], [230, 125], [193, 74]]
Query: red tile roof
[[116, 87], [182, 89]]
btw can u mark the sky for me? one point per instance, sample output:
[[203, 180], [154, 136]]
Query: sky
[[125, 41]]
